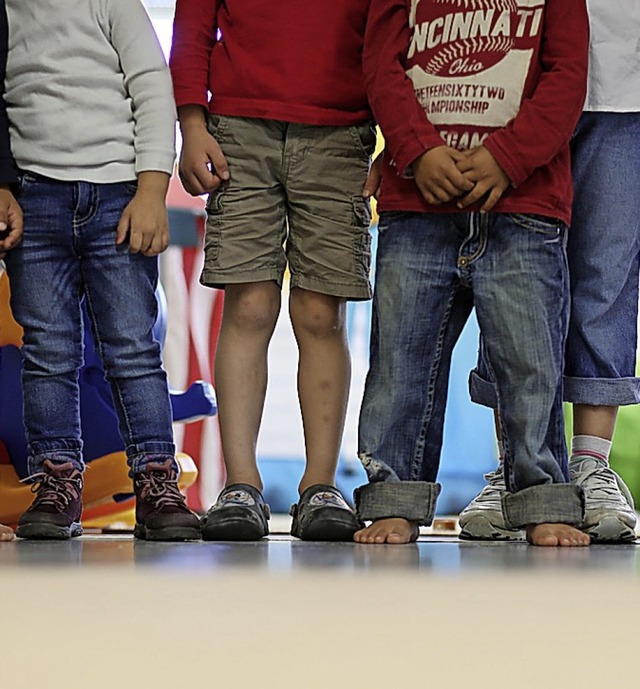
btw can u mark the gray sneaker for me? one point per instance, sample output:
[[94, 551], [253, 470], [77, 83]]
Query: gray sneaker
[[482, 518], [609, 511]]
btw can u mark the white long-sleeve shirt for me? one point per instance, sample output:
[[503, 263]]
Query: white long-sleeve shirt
[[88, 91], [614, 56]]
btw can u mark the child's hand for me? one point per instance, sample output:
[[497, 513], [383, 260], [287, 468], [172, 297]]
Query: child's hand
[[481, 168], [372, 184], [144, 221], [437, 177], [202, 164], [11, 223]]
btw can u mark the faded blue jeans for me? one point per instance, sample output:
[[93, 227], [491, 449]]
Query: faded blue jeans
[[604, 260], [69, 253], [603, 251], [431, 270]]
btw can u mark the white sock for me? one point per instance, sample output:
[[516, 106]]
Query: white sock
[[590, 446]]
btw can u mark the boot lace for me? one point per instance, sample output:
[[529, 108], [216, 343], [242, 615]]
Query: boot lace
[[56, 491], [160, 488]]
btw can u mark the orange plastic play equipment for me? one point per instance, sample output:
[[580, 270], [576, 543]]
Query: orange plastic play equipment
[[106, 496]]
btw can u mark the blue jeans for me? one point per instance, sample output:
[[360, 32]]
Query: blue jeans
[[603, 251], [431, 270], [69, 253], [604, 261]]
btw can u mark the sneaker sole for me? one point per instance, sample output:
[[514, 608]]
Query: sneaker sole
[[481, 529], [610, 530], [170, 533], [48, 532]]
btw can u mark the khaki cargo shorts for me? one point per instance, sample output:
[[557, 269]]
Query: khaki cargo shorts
[[294, 199]]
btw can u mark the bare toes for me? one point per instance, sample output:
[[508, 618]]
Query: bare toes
[[552, 535], [394, 531], [6, 533]]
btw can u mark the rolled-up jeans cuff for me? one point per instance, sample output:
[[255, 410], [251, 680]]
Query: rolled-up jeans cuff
[[608, 392], [414, 501], [482, 391], [549, 503]]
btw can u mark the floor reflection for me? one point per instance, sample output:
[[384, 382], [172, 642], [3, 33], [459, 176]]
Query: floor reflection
[[284, 555]]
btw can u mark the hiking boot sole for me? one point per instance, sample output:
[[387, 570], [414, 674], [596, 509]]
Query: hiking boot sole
[[48, 532], [168, 533], [234, 530], [610, 530], [481, 528]]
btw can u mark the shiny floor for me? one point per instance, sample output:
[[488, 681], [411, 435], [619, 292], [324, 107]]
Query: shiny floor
[[105, 611]]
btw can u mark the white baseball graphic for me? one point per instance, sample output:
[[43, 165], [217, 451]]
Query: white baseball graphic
[[463, 37]]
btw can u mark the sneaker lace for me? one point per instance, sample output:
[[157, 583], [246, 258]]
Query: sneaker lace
[[599, 481], [495, 487], [56, 491], [161, 488]]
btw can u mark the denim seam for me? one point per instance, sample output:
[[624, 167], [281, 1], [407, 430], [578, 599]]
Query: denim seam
[[418, 453], [93, 206], [506, 445], [482, 224], [112, 382]]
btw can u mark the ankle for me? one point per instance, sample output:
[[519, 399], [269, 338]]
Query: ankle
[[247, 478], [590, 446], [316, 478]]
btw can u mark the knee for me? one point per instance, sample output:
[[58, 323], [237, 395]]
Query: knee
[[251, 308], [52, 356], [317, 315]]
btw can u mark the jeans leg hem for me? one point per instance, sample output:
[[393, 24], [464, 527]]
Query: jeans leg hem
[[414, 501], [482, 391], [35, 461], [139, 456], [610, 392], [550, 503]]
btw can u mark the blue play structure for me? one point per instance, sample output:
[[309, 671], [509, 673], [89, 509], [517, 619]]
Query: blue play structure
[[98, 418]]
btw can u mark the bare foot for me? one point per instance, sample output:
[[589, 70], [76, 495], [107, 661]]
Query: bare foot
[[6, 534], [394, 530], [552, 535]]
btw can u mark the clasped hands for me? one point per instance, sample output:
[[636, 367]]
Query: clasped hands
[[444, 174]]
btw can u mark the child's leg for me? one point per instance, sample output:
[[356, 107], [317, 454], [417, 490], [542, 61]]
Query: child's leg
[[249, 318], [604, 259], [244, 253], [45, 278], [324, 373], [419, 309], [604, 264], [521, 296], [328, 249], [120, 287]]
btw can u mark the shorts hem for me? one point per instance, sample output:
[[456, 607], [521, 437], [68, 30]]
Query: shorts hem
[[360, 292], [219, 279]]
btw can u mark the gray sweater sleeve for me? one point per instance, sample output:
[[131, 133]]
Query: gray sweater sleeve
[[7, 163], [148, 83]]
